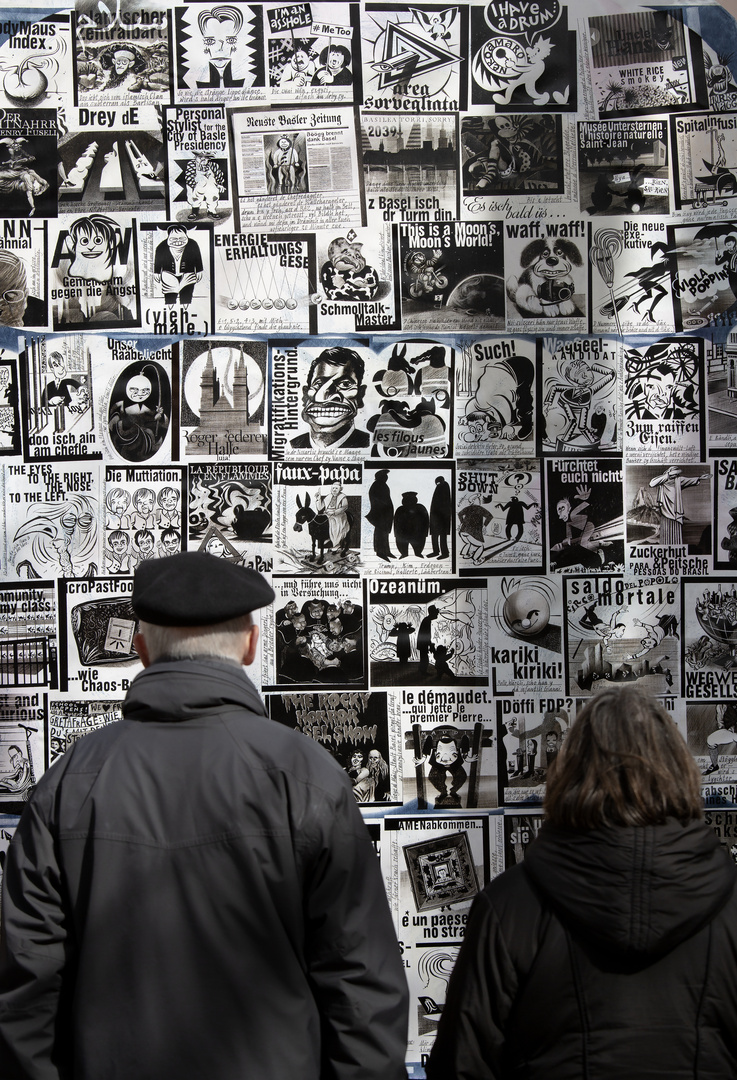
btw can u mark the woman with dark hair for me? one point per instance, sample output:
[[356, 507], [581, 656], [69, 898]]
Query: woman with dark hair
[[611, 950]]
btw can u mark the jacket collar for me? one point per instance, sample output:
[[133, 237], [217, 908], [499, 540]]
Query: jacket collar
[[186, 689]]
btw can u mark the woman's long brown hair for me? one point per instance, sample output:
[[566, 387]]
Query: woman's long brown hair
[[623, 763]]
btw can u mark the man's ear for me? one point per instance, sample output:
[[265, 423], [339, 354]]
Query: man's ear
[[139, 644], [249, 646]]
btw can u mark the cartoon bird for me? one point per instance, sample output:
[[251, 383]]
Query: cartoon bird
[[436, 23]]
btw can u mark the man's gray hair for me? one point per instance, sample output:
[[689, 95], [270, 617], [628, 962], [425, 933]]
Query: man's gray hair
[[223, 639]]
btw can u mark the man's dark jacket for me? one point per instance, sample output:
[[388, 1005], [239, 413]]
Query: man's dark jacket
[[610, 953], [192, 894]]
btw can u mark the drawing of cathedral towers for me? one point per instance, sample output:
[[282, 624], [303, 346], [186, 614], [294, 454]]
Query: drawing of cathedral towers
[[225, 423]]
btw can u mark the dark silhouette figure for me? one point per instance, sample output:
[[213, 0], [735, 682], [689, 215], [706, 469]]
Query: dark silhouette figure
[[441, 510], [401, 631], [381, 514], [411, 525], [515, 516], [442, 656], [425, 644]]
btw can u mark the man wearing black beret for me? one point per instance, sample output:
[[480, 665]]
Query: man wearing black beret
[[191, 893]]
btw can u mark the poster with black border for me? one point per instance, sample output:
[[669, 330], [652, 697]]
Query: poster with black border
[[428, 629], [526, 635], [712, 740], [669, 518], [135, 398], [314, 52], [721, 376], [13, 424], [58, 404], [122, 61], [317, 519], [229, 511], [709, 657], [447, 739], [499, 515], [359, 271], [645, 62], [296, 169], [664, 400], [93, 273], [318, 634], [414, 384], [530, 732], [176, 271], [410, 510], [496, 390], [585, 515], [725, 514], [97, 625], [24, 721], [35, 59], [24, 300], [415, 58], [198, 165], [546, 280], [434, 865], [442, 286], [266, 282], [144, 511], [523, 57], [581, 395], [110, 158], [52, 519], [361, 730], [71, 719], [704, 164], [318, 404], [623, 167], [410, 166], [512, 154], [28, 651], [224, 399], [220, 53], [622, 630], [28, 163], [630, 277]]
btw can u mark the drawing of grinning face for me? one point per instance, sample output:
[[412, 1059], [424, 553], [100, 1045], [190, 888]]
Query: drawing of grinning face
[[334, 392]]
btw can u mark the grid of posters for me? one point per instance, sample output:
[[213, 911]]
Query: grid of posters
[[428, 312]]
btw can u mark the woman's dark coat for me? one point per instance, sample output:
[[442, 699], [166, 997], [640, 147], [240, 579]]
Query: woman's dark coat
[[609, 953]]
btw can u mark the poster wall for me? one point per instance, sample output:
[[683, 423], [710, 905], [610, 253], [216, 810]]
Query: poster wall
[[428, 312]]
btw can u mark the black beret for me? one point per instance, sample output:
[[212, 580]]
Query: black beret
[[196, 589]]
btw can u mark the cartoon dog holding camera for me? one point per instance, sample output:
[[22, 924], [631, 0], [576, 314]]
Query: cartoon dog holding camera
[[545, 287]]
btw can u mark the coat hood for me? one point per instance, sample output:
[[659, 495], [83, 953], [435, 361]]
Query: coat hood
[[187, 689], [637, 890]]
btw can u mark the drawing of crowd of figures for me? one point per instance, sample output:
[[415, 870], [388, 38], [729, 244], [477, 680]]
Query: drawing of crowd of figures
[[427, 312]]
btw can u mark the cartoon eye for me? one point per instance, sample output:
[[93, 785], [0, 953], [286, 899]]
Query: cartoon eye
[[231, 40], [209, 41]]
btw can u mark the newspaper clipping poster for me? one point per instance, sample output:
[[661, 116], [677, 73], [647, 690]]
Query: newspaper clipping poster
[[297, 169]]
